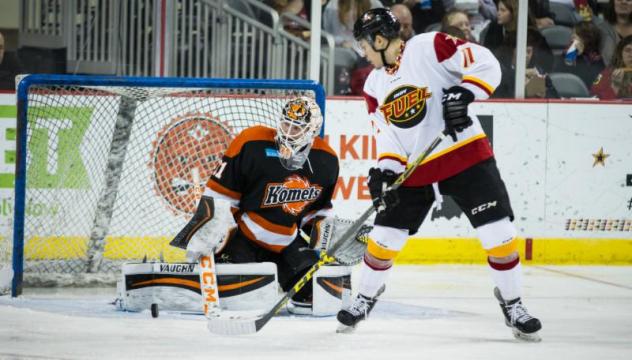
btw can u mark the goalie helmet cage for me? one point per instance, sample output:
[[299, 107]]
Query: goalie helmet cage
[[108, 169]]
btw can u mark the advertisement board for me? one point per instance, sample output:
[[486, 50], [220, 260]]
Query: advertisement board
[[567, 167]]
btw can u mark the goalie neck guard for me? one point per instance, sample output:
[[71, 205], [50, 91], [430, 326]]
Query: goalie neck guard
[[300, 123]]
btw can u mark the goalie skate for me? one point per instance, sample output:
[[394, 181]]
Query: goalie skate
[[524, 326], [358, 311]]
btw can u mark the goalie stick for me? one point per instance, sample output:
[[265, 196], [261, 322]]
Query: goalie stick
[[238, 325]]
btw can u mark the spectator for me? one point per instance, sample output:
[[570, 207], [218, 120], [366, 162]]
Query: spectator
[[481, 17], [541, 12], [340, 15], [588, 62], [460, 20], [425, 13], [617, 25], [290, 7], [615, 82], [586, 8], [308, 8], [487, 9], [503, 31], [454, 31], [539, 64], [286, 6], [402, 13], [9, 67]]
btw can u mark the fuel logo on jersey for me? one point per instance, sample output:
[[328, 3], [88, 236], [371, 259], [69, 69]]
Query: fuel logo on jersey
[[292, 195], [405, 106]]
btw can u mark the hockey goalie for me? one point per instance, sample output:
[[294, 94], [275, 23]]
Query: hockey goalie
[[265, 216]]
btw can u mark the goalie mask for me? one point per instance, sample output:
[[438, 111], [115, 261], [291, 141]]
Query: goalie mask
[[300, 123]]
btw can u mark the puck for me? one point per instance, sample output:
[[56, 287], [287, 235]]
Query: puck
[[154, 310]]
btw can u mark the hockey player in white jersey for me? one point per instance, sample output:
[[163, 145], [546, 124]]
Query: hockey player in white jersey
[[417, 89]]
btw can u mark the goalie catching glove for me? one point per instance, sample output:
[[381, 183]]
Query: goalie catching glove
[[328, 231]]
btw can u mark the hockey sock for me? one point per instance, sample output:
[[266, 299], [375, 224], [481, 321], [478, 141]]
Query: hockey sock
[[508, 278], [371, 279]]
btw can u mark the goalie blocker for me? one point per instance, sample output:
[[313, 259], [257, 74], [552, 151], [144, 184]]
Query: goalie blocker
[[242, 287]]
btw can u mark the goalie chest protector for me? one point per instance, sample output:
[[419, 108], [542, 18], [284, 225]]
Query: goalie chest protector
[[271, 199]]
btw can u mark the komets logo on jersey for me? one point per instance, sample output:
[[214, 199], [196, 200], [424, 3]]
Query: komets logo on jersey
[[292, 195], [405, 106]]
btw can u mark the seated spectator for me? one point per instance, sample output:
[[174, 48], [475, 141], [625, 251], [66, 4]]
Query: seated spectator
[[615, 82], [294, 7], [291, 7], [454, 31], [616, 25], [503, 31], [9, 67], [539, 64], [425, 13], [479, 17], [307, 8], [460, 20], [402, 13], [586, 9], [487, 9], [541, 12], [583, 58], [340, 15]]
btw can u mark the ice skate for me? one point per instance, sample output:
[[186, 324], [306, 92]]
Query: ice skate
[[524, 326], [358, 311]]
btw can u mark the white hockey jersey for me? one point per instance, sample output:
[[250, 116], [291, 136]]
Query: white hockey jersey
[[406, 110]]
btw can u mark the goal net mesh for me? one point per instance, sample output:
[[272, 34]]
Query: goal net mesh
[[113, 173]]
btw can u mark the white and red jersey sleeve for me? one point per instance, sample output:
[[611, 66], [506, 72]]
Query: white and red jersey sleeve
[[474, 64], [391, 155]]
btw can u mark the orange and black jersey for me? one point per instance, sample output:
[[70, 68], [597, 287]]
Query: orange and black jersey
[[270, 201]]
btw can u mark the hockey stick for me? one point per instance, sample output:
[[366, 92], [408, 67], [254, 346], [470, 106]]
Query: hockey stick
[[235, 325], [208, 285]]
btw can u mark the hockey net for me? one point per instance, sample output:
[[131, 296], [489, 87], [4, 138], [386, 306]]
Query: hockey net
[[114, 171]]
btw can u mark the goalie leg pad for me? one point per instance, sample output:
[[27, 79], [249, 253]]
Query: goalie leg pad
[[176, 287], [250, 286], [332, 290]]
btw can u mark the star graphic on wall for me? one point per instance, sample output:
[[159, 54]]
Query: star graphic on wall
[[600, 157]]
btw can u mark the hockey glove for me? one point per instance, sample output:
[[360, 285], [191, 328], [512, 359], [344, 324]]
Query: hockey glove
[[455, 101], [379, 181]]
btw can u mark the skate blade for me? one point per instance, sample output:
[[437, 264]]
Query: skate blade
[[344, 329], [533, 337]]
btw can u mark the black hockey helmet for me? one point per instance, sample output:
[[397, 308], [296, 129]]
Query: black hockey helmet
[[380, 21]]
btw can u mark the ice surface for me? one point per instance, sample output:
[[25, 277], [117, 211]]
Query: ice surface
[[427, 312]]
